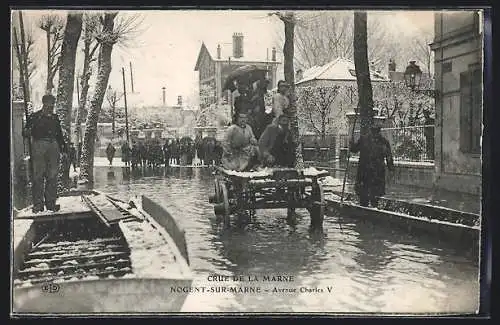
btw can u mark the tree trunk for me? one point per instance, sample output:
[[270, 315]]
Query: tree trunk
[[365, 92], [49, 85], [84, 83], [104, 69], [24, 56], [64, 101], [288, 49]]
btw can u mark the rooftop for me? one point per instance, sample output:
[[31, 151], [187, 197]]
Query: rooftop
[[253, 51], [339, 69]]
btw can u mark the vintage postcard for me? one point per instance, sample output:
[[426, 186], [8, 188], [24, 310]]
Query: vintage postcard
[[215, 162]]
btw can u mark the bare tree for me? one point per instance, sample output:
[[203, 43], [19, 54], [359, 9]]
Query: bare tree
[[64, 100], [365, 92], [91, 26], [114, 28], [321, 38], [53, 26], [25, 54], [113, 97], [289, 20], [316, 109], [30, 59], [421, 50]]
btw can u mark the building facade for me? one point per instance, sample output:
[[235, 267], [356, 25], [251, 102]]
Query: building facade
[[215, 66], [458, 53]]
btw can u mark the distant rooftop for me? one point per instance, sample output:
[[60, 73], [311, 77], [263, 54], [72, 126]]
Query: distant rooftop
[[252, 51], [340, 69]]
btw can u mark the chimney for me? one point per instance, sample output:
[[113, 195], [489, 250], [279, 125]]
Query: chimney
[[392, 65], [163, 89], [299, 75], [179, 100], [273, 54], [218, 52], [237, 45]]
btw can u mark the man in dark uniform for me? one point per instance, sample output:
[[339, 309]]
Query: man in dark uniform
[[373, 149], [47, 142], [125, 149], [110, 153], [135, 155], [276, 145]]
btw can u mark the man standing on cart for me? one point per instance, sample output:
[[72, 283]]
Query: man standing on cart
[[240, 150], [276, 145]]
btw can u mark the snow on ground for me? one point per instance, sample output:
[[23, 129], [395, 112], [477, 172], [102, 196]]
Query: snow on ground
[[330, 181], [150, 253], [311, 171]]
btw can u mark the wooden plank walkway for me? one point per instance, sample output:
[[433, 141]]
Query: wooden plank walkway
[[105, 209], [72, 207]]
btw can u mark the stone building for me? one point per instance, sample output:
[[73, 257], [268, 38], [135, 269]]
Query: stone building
[[214, 65], [458, 53]]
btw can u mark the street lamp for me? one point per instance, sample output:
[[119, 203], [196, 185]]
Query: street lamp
[[412, 75]]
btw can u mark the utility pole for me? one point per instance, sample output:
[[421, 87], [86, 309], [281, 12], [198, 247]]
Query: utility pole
[[131, 78], [125, 102]]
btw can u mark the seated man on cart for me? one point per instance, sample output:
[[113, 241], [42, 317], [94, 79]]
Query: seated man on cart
[[276, 145], [240, 151]]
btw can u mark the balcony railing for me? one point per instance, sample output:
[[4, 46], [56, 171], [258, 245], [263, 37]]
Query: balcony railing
[[411, 143]]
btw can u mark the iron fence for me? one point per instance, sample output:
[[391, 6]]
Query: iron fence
[[411, 143]]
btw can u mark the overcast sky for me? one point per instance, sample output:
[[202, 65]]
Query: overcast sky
[[167, 50]]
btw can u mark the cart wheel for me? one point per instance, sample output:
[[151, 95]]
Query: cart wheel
[[317, 210], [225, 203]]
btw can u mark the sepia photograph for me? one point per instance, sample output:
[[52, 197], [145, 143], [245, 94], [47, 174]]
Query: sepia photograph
[[250, 162]]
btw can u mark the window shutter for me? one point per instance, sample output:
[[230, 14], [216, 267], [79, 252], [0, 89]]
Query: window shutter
[[465, 112], [476, 110]]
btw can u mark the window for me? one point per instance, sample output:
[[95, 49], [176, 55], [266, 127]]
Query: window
[[470, 110]]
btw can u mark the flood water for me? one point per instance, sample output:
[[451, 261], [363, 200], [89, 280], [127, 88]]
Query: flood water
[[367, 267]]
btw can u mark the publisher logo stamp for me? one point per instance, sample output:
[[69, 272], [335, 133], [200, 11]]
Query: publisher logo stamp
[[50, 287]]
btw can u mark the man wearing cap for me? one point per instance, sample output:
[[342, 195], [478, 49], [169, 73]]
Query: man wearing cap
[[429, 134], [47, 142], [239, 146], [276, 146], [280, 100], [373, 149]]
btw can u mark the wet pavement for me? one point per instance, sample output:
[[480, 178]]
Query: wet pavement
[[367, 267]]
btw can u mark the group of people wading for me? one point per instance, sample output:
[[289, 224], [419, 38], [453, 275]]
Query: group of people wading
[[174, 151], [258, 138]]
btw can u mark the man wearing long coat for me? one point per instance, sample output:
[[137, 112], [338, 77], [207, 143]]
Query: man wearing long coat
[[239, 146], [276, 145], [373, 150]]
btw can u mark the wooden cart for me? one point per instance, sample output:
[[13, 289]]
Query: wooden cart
[[242, 193]]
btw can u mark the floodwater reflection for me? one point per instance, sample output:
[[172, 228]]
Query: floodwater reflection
[[366, 266]]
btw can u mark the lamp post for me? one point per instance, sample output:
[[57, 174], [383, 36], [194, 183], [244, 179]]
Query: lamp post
[[413, 77]]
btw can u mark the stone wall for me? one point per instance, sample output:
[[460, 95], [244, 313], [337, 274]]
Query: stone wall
[[420, 174], [457, 46]]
